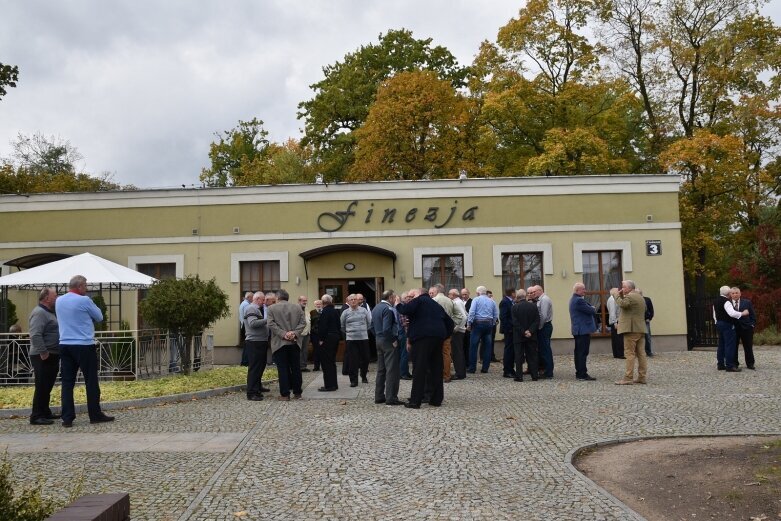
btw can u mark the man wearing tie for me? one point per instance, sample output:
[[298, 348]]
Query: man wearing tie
[[744, 329]]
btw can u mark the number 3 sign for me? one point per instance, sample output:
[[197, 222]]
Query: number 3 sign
[[653, 248]]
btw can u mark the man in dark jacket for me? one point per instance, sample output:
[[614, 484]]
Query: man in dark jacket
[[581, 315], [429, 326], [744, 329], [328, 333], [506, 328], [525, 323], [44, 356]]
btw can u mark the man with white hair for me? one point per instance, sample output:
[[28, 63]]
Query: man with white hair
[[581, 315], [726, 318], [482, 318]]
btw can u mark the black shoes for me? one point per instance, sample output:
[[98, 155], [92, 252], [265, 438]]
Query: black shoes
[[67, 425], [721, 367], [304, 370], [353, 384], [54, 417], [508, 375], [405, 377], [395, 402], [364, 380], [264, 389], [327, 389], [379, 400], [41, 421], [518, 379], [734, 369], [750, 367], [410, 405], [103, 418], [483, 370], [255, 398], [587, 378]]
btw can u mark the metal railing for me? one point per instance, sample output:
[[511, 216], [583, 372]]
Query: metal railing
[[122, 355]]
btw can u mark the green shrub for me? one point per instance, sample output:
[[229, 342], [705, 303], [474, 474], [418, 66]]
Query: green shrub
[[29, 504], [770, 336]]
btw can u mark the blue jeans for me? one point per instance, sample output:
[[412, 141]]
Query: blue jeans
[[727, 352], [582, 345], [481, 331], [73, 358], [546, 353], [648, 350]]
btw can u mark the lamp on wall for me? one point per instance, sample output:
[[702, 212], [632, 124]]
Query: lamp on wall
[[563, 274], [298, 280]]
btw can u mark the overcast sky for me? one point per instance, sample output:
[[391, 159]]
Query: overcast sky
[[140, 87]]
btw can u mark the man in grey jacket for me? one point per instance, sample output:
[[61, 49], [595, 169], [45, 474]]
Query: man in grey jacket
[[287, 322], [44, 356], [386, 330], [256, 345]]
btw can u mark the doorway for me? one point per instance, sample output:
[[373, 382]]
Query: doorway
[[370, 288]]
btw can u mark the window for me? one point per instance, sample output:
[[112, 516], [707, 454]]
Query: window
[[447, 270], [601, 272], [259, 276], [158, 270], [521, 270]]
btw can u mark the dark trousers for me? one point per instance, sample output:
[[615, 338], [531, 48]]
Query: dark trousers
[[403, 354], [386, 383], [288, 360], [243, 343], [745, 335], [427, 360], [467, 346], [357, 355], [544, 348], [45, 372], [315, 349], [328, 361], [727, 350], [582, 344], [256, 358], [509, 359], [526, 351], [616, 342], [73, 358], [457, 351]]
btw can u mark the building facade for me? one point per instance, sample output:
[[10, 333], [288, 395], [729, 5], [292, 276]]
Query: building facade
[[367, 237]]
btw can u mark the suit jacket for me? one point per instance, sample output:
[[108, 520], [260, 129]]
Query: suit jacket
[[632, 319], [505, 315], [384, 322], [750, 320], [581, 315], [426, 318], [329, 325], [282, 317], [525, 317]]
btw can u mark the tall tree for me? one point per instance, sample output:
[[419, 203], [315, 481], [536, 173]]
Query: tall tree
[[9, 75], [414, 130], [236, 147], [343, 97]]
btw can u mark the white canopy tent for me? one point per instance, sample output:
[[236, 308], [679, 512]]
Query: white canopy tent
[[101, 275], [98, 271]]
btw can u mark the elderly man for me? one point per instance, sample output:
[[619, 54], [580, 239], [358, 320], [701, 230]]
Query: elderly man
[[429, 326], [457, 338], [632, 327], [303, 342], [328, 334], [356, 322], [243, 332], [613, 315], [437, 293], [581, 315], [545, 307], [726, 317], [76, 317], [526, 324], [286, 321], [744, 329], [483, 315], [386, 331], [44, 356], [506, 328], [256, 344]]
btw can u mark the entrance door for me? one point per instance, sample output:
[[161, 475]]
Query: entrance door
[[370, 288]]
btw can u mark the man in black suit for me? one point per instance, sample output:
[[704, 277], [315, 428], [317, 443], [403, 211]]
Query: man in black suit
[[744, 329], [429, 326], [328, 335], [525, 323], [506, 328]]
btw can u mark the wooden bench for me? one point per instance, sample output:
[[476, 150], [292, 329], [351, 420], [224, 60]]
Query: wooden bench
[[96, 507]]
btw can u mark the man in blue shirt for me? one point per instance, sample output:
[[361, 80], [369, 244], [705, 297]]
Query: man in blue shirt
[[483, 316], [76, 317]]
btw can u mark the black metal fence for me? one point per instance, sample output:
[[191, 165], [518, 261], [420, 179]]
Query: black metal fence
[[701, 328]]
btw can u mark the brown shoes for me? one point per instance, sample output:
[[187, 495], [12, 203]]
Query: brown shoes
[[643, 382], [283, 398], [624, 382]]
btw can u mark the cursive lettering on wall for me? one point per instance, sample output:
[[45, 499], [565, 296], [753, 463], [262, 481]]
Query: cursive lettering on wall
[[335, 221]]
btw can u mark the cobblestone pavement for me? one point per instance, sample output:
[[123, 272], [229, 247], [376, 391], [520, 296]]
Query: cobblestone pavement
[[496, 449]]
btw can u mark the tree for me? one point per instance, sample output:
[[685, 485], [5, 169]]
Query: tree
[[285, 163], [9, 75], [414, 130], [236, 148], [343, 97], [575, 152], [40, 164], [184, 307]]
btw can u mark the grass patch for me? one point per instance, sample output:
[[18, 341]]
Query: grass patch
[[18, 396]]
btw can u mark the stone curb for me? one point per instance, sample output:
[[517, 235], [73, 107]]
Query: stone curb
[[139, 402], [571, 455]]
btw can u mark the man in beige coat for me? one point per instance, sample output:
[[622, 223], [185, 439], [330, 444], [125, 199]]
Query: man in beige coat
[[631, 324]]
